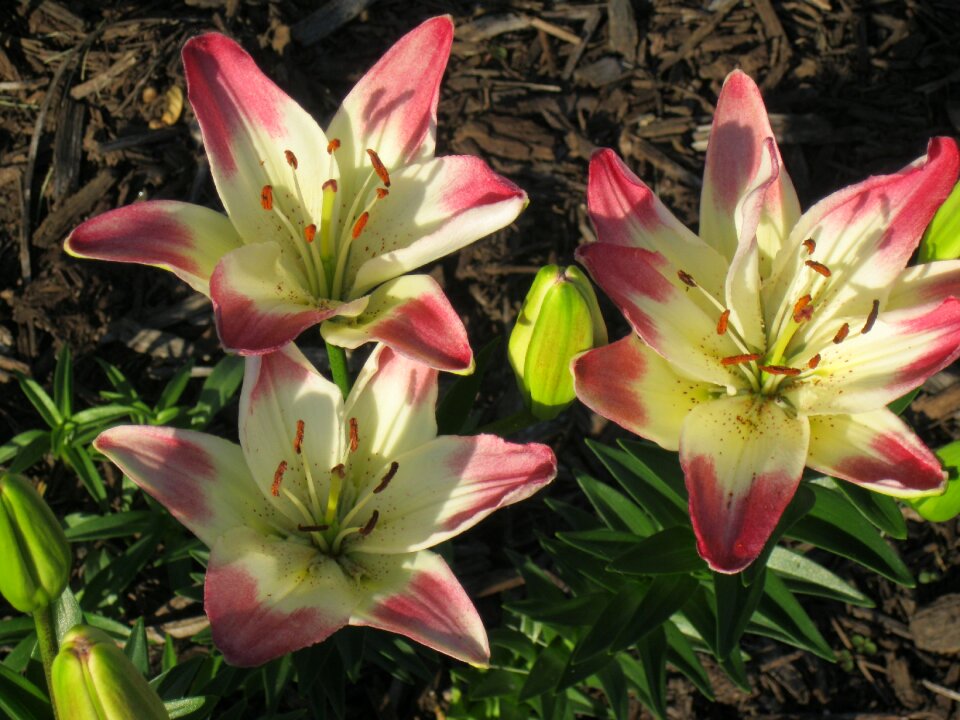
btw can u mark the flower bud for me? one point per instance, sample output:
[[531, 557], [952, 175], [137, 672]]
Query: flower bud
[[559, 319], [941, 241], [945, 506], [34, 554], [93, 680]]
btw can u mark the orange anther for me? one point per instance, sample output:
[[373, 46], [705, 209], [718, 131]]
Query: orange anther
[[813, 362], [382, 193], [818, 267], [278, 478], [686, 278], [779, 370], [310, 232], [291, 158], [298, 440], [810, 245], [722, 322], [266, 197], [740, 359], [394, 466], [360, 224], [371, 523], [354, 435], [841, 334], [333, 145], [379, 168], [872, 317], [802, 309]]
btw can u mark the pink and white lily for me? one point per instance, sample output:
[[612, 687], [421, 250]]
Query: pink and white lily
[[320, 227], [773, 340], [321, 517]]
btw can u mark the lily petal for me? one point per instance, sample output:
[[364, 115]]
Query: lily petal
[[393, 108], [450, 484], [631, 384], [412, 315], [188, 240], [280, 389], [867, 371], [418, 596], [266, 597], [248, 124], [394, 402], [742, 460], [922, 287], [262, 300], [876, 450], [433, 209], [201, 479]]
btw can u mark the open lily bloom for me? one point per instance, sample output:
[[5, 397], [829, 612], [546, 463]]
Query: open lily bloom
[[774, 340], [321, 517], [320, 227]]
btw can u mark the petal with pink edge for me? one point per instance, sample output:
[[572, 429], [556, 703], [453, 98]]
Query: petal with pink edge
[[201, 479], [876, 450], [662, 310], [266, 596], [262, 300], [433, 209], [922, 287], [393, 108], [626, 212], [417, 595], [631, 384], [448, 485], [188, 240], [413, 316], [248, 125], [870, 370], [735, 160], [394, 402], [280, 389], [742, 459]]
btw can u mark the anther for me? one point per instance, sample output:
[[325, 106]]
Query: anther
[[266, 197], [841, 334], [310, 232], [722, 322], [802, 309], [333, 145], [871, 318], [813, 362], [810, 245], [312, 528], [779, 370], [278, 478], [371, 523], [382, 193], [686, 278], [360, 224], [291, 158], [330, 184], [379, 168], [338, 471], [394, 466], [818, 267], [740, 359], [354, 435], [298, 440]]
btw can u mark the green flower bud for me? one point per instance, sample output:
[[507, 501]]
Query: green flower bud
[[559, 319], [941, 241], [34, 554], [93, 680], [946, 505]]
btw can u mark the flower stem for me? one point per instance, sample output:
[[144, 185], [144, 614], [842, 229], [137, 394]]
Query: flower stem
[[510, 424], [47, 640], [338, 368]]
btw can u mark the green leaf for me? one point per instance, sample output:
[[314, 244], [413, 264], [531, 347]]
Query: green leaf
[[495, 683], [663, 464], [546, 672], [169, 659], [175, 387], [665, 596], [24, 449], [118, 575], [608, 623], [941, 240], [221, 385], [578, 610], [680, 654], [20, 699], [652, 654], [66, 613], [103, 527], [80, 461], [902, 403], [102, 415], [613, 681], [881, 510], [136, 647], [190, 707], [616, 510], [453, 411], [946, 506], [673, 550], [735, 605], [601, 543], [805, 576], [63, 382], [40, 400], [780, 610]]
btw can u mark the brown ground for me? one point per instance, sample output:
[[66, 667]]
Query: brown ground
[[855, 87]]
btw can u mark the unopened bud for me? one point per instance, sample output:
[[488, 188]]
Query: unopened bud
[[559, 319], [93, 680], [941, 241], [944, 506], [34, 554]]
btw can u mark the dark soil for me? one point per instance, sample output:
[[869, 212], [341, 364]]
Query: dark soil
[[854, 87]]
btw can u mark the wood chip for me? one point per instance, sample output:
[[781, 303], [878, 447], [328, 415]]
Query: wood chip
[[327, 20], [936, 628], [106, 78]]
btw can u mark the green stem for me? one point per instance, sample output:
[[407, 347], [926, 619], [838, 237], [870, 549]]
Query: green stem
[[510, 424], [47, 640], [338, 368]]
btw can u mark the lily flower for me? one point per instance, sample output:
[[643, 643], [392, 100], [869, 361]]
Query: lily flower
[[773, 340], [320, 227], [321, 517]]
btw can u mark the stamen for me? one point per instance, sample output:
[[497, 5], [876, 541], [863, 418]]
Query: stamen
[[298, 440], [394, 466], [818, 267], [333, 145], [382, 193], [802, 310], [779, 370], [686, 278], [266, 197], [810, 244], [371, 523], [841, 334], [722, 322], [312, 528], [291, 158], [871, 318], [379, 168], [813, 362], [740, 359], [330, 184], [338, 471], [310, 232], [354, 434], [360, 224], [278, 478]]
